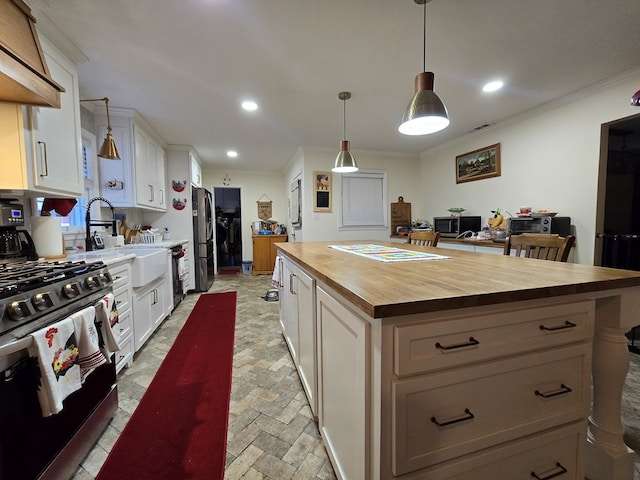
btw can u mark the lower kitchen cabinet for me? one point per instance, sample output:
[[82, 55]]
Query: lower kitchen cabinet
[[149, 309], [264, 252], [123, 330], [298, 321]]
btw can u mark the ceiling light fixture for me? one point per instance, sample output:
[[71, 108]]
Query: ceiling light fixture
[[345, 163], [108, 150], [635, 99], [425, 113], [232, 154], [249, 105], [493, 86]]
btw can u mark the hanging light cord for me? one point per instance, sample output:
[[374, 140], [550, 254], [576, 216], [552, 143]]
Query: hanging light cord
[[424, 38], [344, 119]]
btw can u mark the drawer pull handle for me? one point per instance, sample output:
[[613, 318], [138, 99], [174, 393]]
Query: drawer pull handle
[[567, 324], [472, 341], [561, 391], [561, 471], [467, 416]]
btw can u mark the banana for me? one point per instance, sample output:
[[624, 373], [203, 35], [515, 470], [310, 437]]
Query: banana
[[496, 221]]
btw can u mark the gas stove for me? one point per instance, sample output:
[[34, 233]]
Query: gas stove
[[34, 294]]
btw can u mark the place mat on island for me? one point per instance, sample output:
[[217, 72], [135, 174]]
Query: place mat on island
[[387, 254]]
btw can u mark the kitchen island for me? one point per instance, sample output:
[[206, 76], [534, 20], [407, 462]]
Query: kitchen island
[[473, 366]]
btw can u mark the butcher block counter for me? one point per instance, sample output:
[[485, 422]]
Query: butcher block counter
[[464, 366]]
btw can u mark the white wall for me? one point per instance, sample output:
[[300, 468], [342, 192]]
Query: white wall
[[550, 159], [252, 185], [402, 180]]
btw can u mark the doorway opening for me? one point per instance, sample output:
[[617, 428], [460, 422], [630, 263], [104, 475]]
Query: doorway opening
[[618, 222], [228, 219]]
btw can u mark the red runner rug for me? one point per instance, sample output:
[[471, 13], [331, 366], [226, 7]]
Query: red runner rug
[[179, 430]]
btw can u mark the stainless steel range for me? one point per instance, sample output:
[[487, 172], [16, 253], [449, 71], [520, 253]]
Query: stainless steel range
[[32, 296]]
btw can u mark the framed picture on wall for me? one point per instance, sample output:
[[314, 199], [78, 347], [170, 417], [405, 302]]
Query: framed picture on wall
[[321, 191], [479, 164]]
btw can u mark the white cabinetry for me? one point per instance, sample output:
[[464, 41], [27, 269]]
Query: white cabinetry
[[149, 310], [299, 324], [40, 146], [152, 303], [139, 179], [121, 275], [466, 394], [150, 171], [196, 171]]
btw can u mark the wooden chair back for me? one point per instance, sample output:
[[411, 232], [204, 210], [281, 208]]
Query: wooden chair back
[[428, 239], [540, 245]]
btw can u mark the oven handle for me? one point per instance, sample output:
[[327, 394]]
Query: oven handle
[[24, 342], [16, 346]]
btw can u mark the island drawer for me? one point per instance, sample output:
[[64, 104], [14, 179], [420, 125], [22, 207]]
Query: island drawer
[[451, 341], [441, 416], [546, 455]]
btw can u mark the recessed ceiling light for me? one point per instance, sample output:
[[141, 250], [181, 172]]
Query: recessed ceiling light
[[249, 105], [493, 86], [232, 154]]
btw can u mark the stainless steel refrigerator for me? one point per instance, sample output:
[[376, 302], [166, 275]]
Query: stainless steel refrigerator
[[204, 267]]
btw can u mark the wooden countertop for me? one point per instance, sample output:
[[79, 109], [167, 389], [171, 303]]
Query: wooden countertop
[[467, 279]]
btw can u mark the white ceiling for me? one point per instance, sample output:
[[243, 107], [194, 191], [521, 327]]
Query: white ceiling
[[185, 65]]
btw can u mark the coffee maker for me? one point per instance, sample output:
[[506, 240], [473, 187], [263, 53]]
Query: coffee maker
[[16, 245]]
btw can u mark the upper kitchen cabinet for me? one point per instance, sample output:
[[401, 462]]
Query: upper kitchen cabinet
[[41, 147], [139, 179], [196, 171]]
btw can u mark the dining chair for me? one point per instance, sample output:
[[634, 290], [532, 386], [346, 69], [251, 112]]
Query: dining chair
[[539, 245], [428, 239]]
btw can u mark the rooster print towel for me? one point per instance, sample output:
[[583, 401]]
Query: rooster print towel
[[56, 350]]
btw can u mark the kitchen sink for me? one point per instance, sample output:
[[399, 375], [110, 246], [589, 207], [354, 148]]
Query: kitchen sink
[[149, 264]]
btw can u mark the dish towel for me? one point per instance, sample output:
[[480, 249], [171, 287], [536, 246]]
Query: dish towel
[[56, 350], [275, 278], [182, 272], [89, 354], [106, 319]]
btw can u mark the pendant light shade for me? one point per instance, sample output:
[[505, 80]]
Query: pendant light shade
[[345, 162], [108, 150], [426, 113]]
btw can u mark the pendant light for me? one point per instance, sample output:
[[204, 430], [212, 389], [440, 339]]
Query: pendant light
[[108, 150], [425, 113], [345, 162]]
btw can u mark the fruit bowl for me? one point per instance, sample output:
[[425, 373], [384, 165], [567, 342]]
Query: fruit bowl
[[455, 210]]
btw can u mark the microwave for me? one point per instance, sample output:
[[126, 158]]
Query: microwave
[[453, 227], [543, 224]]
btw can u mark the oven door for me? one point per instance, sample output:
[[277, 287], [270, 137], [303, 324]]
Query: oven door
[[520, 225]]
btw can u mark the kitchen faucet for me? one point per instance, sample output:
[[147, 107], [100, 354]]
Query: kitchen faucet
[[88, 223]]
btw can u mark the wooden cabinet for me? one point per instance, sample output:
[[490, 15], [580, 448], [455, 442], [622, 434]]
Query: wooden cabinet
[[264, 252], [121, 274], [41, 146], [298, 321], [139, 178]]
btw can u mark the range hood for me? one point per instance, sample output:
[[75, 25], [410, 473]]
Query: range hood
[[24, 76]]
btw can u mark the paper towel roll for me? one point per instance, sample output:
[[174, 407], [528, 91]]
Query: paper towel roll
[[47, 236]]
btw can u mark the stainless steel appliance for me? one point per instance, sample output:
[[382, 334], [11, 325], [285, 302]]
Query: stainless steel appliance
[[34, 295], [177, 256], [204, 265], [16, 245], [454, 226], [539, 224]]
